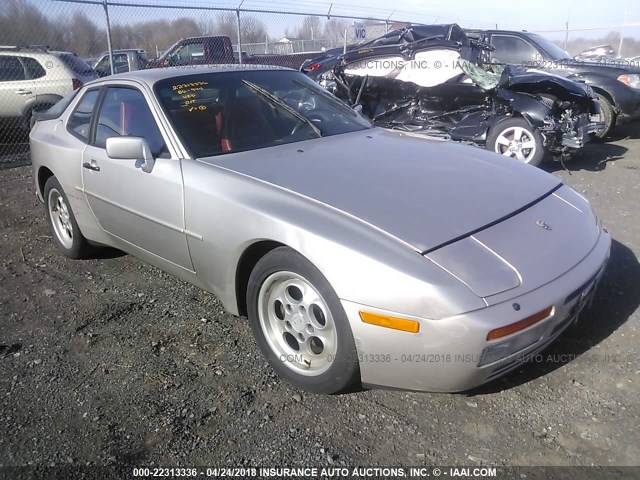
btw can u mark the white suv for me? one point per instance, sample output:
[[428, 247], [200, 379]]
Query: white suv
[[34, 78]]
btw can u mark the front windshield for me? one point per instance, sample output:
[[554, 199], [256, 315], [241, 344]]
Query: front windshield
[[554, 51], [225, 112]]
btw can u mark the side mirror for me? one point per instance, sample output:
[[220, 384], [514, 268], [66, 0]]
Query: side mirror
[[131, 148], [358, 108]]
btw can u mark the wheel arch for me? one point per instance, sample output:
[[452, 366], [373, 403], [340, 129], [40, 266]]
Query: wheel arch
[[604, 93], [43, 175], [248, 260]]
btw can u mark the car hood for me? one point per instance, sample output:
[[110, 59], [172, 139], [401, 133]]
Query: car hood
[[425, 192], [519, 80]]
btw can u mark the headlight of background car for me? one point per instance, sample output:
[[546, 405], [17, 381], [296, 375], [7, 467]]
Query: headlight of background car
[[632, 80]]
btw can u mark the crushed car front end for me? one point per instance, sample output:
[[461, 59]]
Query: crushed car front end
[[562, 110], [439, 86]]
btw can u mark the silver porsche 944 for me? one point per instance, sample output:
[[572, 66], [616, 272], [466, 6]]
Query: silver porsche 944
[[357, 254]]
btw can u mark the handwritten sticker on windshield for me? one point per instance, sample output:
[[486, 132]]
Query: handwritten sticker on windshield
[[187, 92]]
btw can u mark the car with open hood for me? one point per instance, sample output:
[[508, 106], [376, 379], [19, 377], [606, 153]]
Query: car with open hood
[[432, 80], [358, 254]]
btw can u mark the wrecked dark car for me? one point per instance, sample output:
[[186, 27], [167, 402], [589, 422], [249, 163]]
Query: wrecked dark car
[[432, 80]]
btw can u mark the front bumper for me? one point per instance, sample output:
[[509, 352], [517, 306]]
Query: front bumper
[[627, 104], [570, 134], [444, 356]]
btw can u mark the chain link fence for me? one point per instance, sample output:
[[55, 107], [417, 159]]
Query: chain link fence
[[48, 48]]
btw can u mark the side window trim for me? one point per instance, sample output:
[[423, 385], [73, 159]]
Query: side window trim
[[25, 74], [28, 72], [93, 125], [96, 114], [93, 115]]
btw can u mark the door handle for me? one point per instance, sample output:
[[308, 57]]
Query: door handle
[[91, 166], [22, 91]]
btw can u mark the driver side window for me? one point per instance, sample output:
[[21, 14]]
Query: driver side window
[[512, 50], [125, 112]]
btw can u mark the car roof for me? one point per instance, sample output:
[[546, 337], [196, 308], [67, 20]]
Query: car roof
[[152, 75], [493, 30], [116, 50]]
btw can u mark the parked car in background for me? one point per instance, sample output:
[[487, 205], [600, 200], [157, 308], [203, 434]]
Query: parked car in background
[[430, 80], [358, 254], [634, 61], [217, 49], [616, 85], [205, 50], [601, 52], [124, 60], [34, 78]]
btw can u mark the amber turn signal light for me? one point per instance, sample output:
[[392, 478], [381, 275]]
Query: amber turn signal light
[[520, 325], [394, 323]]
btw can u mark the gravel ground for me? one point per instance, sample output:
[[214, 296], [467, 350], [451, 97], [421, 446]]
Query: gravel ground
[[111, 361]]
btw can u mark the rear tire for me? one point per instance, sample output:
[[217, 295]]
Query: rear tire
[[608, 116], [62, 222], [299, 323], [513, 137]]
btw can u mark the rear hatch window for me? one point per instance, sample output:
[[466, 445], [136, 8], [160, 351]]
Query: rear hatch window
[[57, 109], [75, 63]]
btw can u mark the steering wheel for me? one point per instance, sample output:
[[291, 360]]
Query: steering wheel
[[313, 118], [300, 101]]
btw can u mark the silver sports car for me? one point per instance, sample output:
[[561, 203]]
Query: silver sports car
[[357, 254]]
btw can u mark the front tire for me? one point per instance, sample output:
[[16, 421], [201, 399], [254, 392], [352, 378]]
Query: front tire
[[515, 138], [62, 221], [607, 115], [299, 323]]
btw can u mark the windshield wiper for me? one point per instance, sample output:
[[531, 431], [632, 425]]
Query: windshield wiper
[[335, 102], [277, 102]]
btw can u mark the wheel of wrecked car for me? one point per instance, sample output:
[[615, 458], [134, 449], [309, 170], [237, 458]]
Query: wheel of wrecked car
[[607, 115], [515, 138], [299, 323], [62, 221]]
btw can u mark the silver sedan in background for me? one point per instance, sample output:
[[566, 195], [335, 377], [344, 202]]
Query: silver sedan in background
[[357, 254]]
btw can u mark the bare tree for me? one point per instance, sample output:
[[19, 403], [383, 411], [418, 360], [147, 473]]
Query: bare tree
[[23, 24], [227, 25], [252, 30], [311, 29], [185, 27], [82, 36], [334, 30]]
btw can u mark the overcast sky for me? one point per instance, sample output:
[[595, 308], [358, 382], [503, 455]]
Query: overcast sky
[[541, 15], [530, 15]]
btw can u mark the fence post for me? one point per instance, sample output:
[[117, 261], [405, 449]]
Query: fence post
[[622, 34], [345, 41], [239, 36], [106, 12]]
